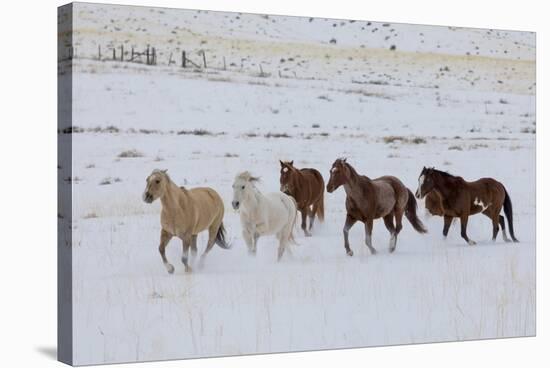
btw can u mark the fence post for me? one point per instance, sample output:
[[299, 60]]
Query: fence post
[[98, 52], [224, 65], [154, 57], [121, 52], [183, 59], [147, 55], [204, 58], [114, 53]]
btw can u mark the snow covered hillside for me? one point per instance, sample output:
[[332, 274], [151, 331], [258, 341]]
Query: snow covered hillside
[[462, 100]]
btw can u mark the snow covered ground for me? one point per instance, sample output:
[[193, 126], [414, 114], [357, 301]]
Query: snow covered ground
[[389, 112]]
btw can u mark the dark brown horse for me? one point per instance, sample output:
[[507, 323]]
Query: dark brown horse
[[369, 199], [433, 204], [460, 198], [307, 187]]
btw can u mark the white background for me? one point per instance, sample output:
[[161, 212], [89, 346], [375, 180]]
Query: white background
[[28, 181]]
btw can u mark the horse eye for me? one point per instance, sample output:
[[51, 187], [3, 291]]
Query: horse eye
[[157, 181], [242, 187]]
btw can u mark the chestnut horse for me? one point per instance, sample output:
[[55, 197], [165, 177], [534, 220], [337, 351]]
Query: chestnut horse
[[307, 187], [460, 198], [369, 199]]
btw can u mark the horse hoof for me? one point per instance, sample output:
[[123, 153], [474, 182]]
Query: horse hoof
[[471, 242], [170, 268], [392, 250], [188, 269], [308, 235], [350, 253]]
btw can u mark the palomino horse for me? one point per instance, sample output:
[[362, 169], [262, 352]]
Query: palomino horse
[[369, 199], [272, 213], [185, 213], [461, 199], [307, 187]]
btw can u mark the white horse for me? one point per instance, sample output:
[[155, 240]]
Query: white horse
[[272, 213]]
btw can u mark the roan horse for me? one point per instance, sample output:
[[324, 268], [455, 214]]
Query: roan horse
[[272, 213], [370, 199], [461, 199], [307, 187], [185, 213]]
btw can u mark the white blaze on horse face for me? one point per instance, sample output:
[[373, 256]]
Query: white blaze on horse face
[[285, 169], [479, 202], [420, 183]]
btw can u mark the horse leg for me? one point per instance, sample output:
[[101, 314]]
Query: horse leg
[[250, 238], [186, 244], [164, 239], [398, 226], [312, 212], [212, 232], [463, 226], [503, 227], [388, 221], [349, 223], [447, 221], [368, 235], [193, 249], [304, 212], [494, 220]]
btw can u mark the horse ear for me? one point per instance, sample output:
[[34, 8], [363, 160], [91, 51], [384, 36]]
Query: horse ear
[[282, 163], [164, 171], [345, 159], [292, 163]]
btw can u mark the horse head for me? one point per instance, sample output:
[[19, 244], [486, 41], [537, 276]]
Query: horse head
[[242, 188], [287, 170], [426, 182], [156, 184], [339, 175]]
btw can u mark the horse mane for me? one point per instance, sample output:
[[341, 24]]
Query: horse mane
[[352, 170], [247, 176], [442, 173], [162, 173]]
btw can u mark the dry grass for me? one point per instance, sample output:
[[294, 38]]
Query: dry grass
[[404, 140], [130, 154]]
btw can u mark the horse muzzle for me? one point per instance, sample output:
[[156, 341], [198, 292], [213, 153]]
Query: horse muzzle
[[235, 205], [419, 194], [147, 197], [330, 188], [284, 189]]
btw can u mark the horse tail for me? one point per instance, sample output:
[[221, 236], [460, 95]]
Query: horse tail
[[321, 208], [509, 215], [220, 238], [410, 212], [291, 235]]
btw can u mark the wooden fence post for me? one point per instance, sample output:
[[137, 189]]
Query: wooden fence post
[[154, 57], [147, 55], [114, 53], [121, 52], [183, 59], [224, 65], [204, 58], [98, 52]]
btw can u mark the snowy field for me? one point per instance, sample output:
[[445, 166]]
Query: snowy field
[[388, 112]]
